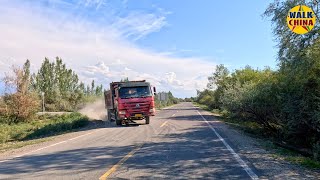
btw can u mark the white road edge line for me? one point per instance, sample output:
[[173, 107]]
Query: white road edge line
[[61, 142], [235, 155]]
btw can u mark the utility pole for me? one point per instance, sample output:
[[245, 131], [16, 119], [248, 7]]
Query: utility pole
[[42, 94]]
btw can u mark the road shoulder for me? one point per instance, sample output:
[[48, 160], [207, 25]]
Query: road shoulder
[[40, 143], [265, 162]]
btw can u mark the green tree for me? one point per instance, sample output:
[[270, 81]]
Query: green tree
[[92, 87], [298, 77], [99, 90], [88, 91], [125, 79], [61, 86], [285, 102], [21, 104]]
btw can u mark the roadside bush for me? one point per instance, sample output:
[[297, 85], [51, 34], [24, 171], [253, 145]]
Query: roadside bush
[[20, 107], [170, 101], [21, 104], [285, 103]]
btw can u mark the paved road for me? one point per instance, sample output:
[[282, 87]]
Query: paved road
[[179, 143]]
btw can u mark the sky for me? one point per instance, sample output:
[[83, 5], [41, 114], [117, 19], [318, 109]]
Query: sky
[[173, 44]]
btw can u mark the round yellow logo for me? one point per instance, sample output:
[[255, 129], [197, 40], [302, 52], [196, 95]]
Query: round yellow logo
[[301, 19]]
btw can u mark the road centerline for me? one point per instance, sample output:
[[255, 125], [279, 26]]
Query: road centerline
[[123, 160], [163, 124], [235, 155]]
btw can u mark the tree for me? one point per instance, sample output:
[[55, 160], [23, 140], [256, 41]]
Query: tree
[[61, 86], [290, 45], [218, 76], [125, 79], [99, 90], [21, 104], [284, 102], [92, 87], [299, 83], [218, 81], [88, 91]]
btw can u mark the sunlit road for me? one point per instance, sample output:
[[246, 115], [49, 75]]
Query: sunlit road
[[179, 143]]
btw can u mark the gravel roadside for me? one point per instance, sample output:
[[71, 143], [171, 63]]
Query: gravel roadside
[[265, 162]]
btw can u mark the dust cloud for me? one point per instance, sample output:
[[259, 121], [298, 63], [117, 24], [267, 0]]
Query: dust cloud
[[95, 110]]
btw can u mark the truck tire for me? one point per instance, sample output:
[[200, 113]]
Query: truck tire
[[109, 116], [118, 122], [147, 119]]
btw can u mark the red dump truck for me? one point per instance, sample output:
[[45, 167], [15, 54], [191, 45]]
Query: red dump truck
[[129, 101]]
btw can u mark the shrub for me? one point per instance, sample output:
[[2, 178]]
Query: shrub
[[21, 104]]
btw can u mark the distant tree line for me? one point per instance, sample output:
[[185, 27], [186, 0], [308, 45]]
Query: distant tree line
[[286, 101], [171, 100]]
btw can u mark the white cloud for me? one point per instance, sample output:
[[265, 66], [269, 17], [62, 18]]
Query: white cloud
[[171, 76], [96, 51], [139, 24]]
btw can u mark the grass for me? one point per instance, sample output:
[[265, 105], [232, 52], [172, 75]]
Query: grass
[[163, 105], [21, 134], [18, 144], [202, 106], [290, 156], [255, 129], [248, 126]]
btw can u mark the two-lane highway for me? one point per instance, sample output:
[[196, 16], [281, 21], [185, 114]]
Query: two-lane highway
[[179, 143]]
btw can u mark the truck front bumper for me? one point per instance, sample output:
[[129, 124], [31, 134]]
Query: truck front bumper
[[136, 116]]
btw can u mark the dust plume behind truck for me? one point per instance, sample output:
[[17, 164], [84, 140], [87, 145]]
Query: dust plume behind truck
[[129, 101]]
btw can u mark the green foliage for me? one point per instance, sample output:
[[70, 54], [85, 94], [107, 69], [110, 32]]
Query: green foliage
[[285, 105], [42, 127], [171, 101], [291, 45], [21, 104], [125, 79], [61, 86], [207, 97], [285, 102]]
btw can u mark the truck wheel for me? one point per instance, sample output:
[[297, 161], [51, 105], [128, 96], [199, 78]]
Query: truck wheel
[[118, 122], [147, 119], [109, 116]]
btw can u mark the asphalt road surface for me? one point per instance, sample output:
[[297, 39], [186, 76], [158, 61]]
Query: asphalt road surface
[[179, 143]]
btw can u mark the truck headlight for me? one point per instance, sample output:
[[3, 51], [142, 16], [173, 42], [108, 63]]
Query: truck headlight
[[152, 110], [122, 112]]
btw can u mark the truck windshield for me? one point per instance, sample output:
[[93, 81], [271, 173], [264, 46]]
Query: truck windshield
[[134, 92]]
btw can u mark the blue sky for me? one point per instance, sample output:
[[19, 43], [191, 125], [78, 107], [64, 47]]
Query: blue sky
[[173, 44], [233, 34]]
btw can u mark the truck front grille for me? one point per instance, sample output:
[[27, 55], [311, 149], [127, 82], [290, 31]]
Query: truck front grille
[[133, 109]]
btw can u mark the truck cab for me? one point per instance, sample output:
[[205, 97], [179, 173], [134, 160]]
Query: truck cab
[[129, 101]]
